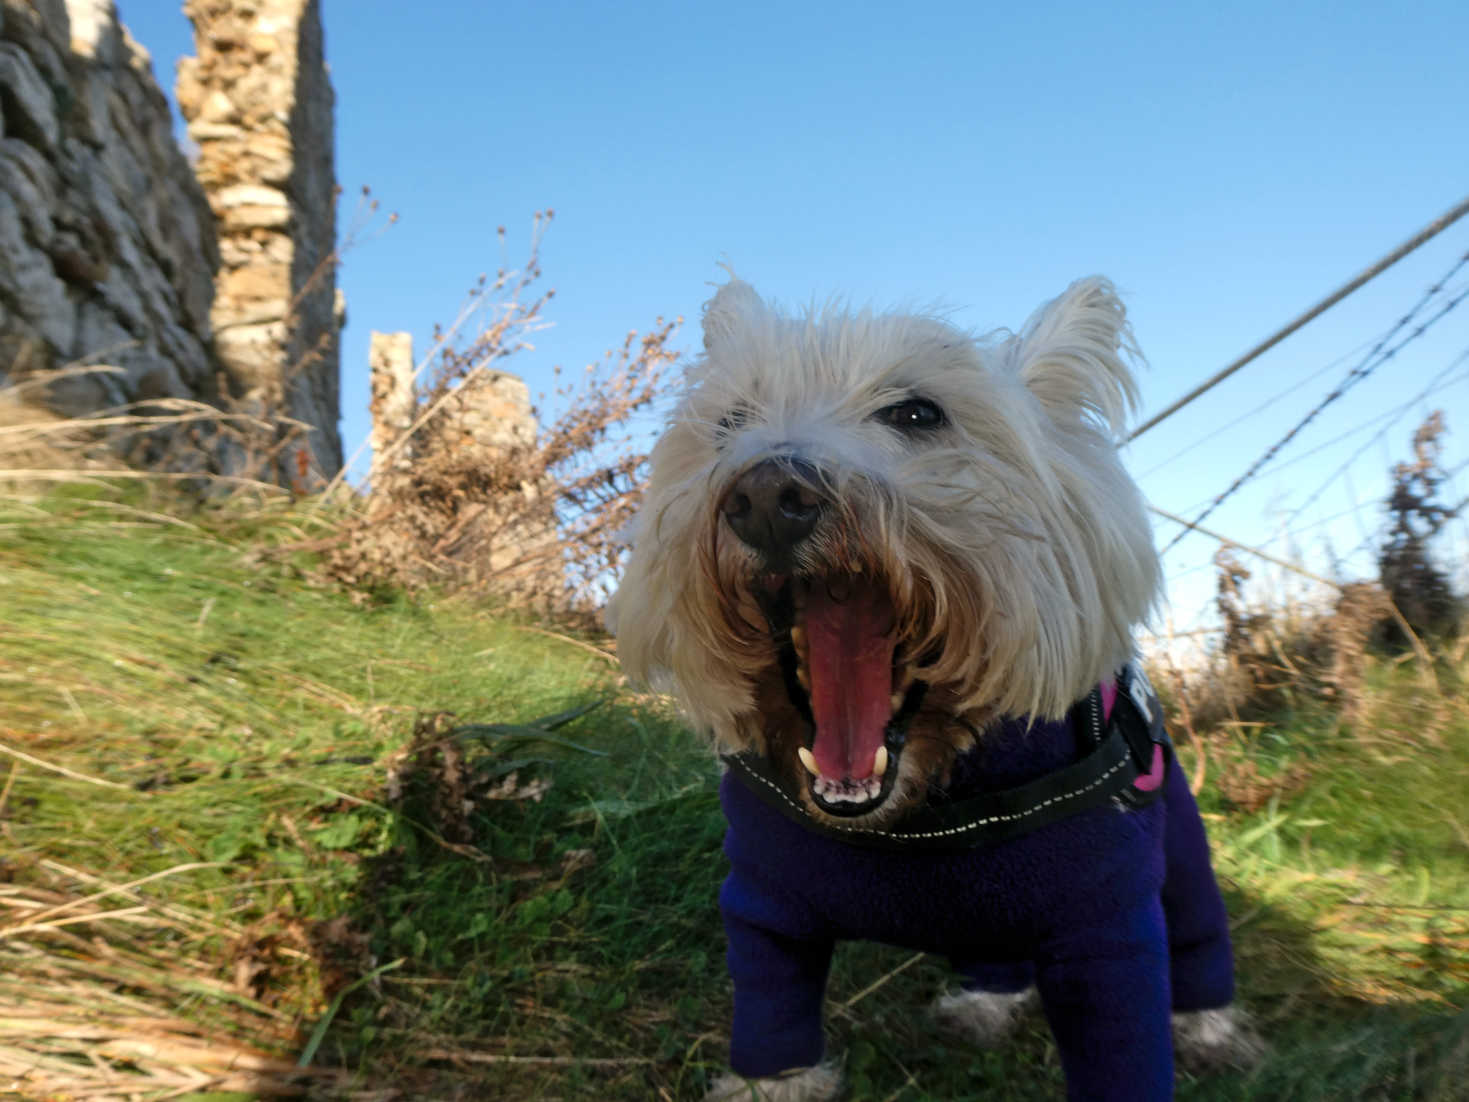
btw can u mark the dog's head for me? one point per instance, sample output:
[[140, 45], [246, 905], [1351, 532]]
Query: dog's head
[[865, 537]]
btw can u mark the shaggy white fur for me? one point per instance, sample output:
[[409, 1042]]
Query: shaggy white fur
[[984, 1018], [1207, 1039], [1202, 1039], [1014, 542], [969, 488], [818, 1084]]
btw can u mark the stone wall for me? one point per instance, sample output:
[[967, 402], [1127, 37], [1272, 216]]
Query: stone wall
[[218, 287], [107, 249], [259, 106], [458, 489], [393, 405]]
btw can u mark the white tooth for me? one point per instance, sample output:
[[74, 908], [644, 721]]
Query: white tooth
[[896, 700], [880, 762], [803, 677], [798, 639], [808, 759]]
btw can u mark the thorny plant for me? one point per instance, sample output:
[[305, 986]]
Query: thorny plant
[[471, 495], [1419, 588], [1274, 659]]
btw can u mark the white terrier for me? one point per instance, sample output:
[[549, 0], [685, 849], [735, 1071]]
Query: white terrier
[[894, 572]]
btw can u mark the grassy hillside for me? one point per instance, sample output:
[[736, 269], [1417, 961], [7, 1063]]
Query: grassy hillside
[[258, 838]]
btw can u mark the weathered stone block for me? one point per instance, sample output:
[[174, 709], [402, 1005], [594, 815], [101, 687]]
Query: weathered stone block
[[258, 101], [256, 283], [201, 131], [29, 283], [95, 34], [41, 28], [393, 403], [101, 338], [252, 353], [30, 109], [28, 178], [107, 238]]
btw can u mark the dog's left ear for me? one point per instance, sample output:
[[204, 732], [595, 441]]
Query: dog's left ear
[[734, 307], [1072, 355]]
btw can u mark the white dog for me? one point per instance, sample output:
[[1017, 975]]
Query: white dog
[[894, 571]]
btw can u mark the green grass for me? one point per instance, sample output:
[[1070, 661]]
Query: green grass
[[378, 838]]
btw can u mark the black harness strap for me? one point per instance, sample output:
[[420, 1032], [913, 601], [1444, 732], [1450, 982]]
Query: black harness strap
[[1130, 742]]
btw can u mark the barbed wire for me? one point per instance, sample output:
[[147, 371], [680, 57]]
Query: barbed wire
[[1370, 363], [1376, 536], [1266, 404], [1392, 416], [1426, 234], [1397, 415]]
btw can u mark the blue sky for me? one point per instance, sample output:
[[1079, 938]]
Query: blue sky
[[1225, 164]]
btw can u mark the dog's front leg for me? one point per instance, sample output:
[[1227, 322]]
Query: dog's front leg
[[778, 964], [1105, 992]]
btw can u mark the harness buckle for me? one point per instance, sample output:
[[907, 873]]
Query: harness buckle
[[1138, 715]]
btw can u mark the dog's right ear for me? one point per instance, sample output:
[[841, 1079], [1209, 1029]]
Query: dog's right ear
[[733, 308], [1073, 355]]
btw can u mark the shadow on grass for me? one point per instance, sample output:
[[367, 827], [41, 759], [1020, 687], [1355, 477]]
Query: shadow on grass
[[556, 915]]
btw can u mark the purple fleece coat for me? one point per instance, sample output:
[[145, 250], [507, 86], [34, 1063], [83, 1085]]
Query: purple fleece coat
[[1113, 914]]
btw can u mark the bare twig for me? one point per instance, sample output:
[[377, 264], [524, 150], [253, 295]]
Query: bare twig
[[559, 637]]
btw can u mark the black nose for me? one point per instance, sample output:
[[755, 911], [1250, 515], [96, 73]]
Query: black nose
[[773, 506]]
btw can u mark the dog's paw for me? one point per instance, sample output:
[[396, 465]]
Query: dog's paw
[[1206, 1040], [983, 1018], [819, 1084]]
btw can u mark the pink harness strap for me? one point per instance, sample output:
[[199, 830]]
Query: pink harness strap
[[1150, 780]]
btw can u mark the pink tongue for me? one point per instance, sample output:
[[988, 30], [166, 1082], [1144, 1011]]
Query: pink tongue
[[851, 667]]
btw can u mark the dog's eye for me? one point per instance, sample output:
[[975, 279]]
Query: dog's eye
[[912, 415], [732, 420]]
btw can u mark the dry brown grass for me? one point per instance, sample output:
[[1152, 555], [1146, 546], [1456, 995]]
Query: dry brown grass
[[86, 966], [532, 521], [218, 443], [1283, 666], [200, 449]]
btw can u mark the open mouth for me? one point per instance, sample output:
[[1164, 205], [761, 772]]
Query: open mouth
[[846, 673]]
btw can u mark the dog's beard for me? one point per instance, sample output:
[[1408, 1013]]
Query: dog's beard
[[843, 710]]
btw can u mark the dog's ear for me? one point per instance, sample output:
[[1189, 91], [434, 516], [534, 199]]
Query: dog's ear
[[733, 307], [1072, 355]]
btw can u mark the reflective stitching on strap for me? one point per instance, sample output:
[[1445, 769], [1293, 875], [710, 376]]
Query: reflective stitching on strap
[[900, 837]]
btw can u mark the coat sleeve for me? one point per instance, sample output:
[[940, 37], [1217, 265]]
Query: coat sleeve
[[778, 960]]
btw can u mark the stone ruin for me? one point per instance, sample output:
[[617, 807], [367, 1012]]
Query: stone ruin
[[426, 451], [258, 104], [214, 282]]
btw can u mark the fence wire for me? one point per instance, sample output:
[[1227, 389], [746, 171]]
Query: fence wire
[[1379, 355]]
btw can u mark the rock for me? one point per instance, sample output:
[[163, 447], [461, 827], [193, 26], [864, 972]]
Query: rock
[[251, 352], [30, 110], [254, 283], [393, 404], [493, 410], [30, 286], [94, 30], [30, 180], [108, 240], [258, 101]]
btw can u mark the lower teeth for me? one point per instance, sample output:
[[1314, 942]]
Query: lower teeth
[[846, 792]]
